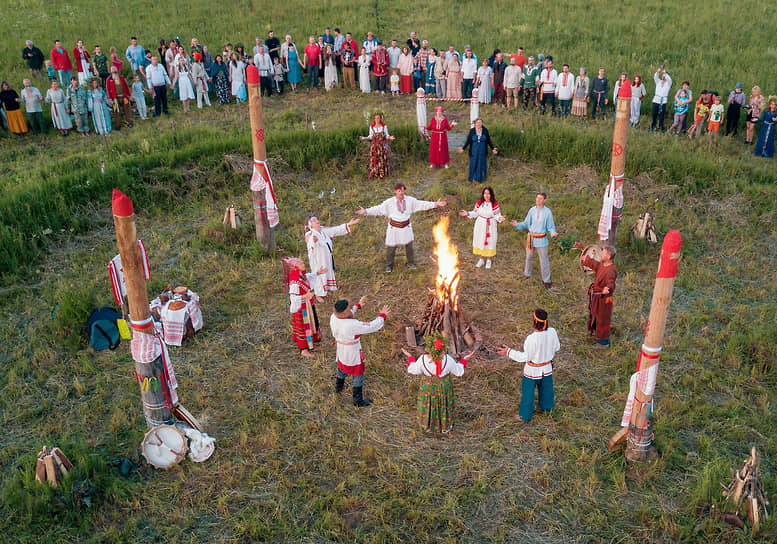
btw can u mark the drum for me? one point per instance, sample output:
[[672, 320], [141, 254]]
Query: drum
[[592, 251], [164, 446]]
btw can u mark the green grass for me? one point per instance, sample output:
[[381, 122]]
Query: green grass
[[293, 462]]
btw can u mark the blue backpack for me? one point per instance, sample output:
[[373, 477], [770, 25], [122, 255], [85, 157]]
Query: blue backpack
[[102, 328]]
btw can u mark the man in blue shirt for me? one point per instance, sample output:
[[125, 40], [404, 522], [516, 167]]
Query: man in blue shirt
[[539, 223]]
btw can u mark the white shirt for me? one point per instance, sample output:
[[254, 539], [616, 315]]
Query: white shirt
[[539, 349], [346, 333], [564, 92], [393, 53], [392, 209], [512, 76], [468, 68], [425, 365], [662, 88], [548, 79], [156, 76], [320, 247], [263, 63]]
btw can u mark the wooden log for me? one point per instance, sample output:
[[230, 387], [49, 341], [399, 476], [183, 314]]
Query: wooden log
[[636, 413], [156, 407], [265, 235], [51, 470], [63, 458], [40, 470], [608, 230], [410, 336]]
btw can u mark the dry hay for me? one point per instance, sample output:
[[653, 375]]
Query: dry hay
[[240, 164], [645, 190], [732, 209], [581, 178]]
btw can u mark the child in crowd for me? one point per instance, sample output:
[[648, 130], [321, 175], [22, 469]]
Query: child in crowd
[[716, 118], [699, 114], [50, 71], [277, 75], [138, 90], [394, 80], [680, 111]]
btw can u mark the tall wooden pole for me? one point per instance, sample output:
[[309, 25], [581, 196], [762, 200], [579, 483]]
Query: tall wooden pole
[[612, 207], [152, 370], [635, 421], [265, 210]]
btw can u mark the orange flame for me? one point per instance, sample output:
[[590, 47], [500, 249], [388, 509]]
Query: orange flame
[[447, 262]]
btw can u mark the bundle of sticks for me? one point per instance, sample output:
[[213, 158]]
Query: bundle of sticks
[[445, 316], [51, 466], [745, 494]]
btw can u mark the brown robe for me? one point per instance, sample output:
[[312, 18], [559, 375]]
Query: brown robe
[[600, 305]]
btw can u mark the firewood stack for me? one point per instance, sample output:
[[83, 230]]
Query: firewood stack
[[52, 466], [745, 495], [445, 316]]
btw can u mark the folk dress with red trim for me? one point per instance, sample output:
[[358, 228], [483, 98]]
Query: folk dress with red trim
[[438, 146], [428, 367], [320, 249], [302, 322], [347, 333], [484, 235], [539, 348]]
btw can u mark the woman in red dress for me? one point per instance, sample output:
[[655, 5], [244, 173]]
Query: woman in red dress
[[438, 147]]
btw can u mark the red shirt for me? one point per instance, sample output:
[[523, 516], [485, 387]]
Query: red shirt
[[77, 58], [110, 88], [313, 54], [520, 60], [60, 60], [380, 60]]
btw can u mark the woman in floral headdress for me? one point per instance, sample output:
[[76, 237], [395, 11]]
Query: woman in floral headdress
[[379, 150], [436, 406]]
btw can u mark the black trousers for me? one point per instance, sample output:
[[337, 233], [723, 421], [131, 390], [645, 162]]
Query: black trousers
[[548, 97], [265, 83], [160, 100], [659, 113], [732, 118]]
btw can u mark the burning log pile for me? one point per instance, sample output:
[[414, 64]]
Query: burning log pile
[[442, 312]]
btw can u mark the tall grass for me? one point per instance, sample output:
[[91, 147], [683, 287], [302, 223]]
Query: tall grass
[[635, 38]]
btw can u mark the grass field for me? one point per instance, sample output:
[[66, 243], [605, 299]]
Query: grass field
[[295, 463]]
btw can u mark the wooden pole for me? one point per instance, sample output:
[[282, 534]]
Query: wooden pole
[[264, 232], [635, 421], [158, 399], [612, 207]]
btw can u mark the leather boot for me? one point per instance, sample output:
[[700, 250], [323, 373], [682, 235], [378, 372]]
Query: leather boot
[[358, 399], [339, 385]]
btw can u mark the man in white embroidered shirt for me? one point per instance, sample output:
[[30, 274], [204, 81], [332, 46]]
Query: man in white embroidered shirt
[[399, 232], [539, 348]]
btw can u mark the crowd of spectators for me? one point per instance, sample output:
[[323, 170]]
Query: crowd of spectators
[[113, 90]]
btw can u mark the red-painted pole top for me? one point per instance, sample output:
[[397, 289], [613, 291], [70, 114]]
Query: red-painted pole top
[[252, 75], [121, 204], [625, 90], [670, 254]]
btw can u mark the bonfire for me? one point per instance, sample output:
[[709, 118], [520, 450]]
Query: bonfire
[[442, 312]]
